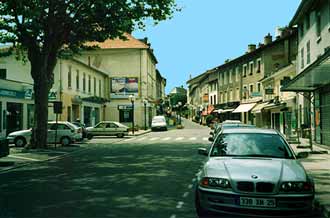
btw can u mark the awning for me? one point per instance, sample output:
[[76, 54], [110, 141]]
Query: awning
[[313, 77], [221, 111], [274, 105], [259, 107], [244, 108]]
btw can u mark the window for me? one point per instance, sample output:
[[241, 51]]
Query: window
[[94, 86], [302, 58], [89, 83], [77, 80], [125, 116], [259, 87], [69, 114], [225, 97], [215, 99], [251, 88], [251, 68], [308, 52], [245, 92], [223, 78], [1, 116], [220, 100], [318, 23], [69, 78], [237, 74], [307, 21], [231, 95], [211, 98], [244, 70], [3, 73], [230, 75], [84, 82], [258, 66], [237, 94], [100, 88]]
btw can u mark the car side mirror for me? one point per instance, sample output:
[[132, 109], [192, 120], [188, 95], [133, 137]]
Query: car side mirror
[[202, 151], [302, 155], [211, 139]]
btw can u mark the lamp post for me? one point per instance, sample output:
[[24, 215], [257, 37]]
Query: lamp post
[[132, 99], [145, 101]]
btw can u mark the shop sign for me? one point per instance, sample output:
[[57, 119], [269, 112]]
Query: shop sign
[[205, 98], [125, 107], [11, 93], [269, 91], [256, 94], [29, 94]]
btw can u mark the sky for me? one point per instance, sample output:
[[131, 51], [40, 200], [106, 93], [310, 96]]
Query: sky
[[207, 32]]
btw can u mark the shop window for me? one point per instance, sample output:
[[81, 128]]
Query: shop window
[[125, 116], [3, 73]]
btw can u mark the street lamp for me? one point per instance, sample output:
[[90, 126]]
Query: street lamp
[[132, 99], [145, 101]]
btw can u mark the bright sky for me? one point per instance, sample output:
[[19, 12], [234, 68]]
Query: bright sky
[[207, 32]]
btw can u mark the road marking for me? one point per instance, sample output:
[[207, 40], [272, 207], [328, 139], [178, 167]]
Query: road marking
[[153, 139], [23, 158], [179, 205], [193, 138], [205, 138], [173, 216], [185, 194], [179, 138], [130, 139], [166, 139], [141, 139]]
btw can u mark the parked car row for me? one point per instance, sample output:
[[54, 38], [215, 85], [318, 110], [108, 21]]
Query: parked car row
[[68, 133], [252, 171]]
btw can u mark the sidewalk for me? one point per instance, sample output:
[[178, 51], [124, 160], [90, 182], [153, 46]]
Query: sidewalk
[[318, 166], [139, 132], [20, 157]]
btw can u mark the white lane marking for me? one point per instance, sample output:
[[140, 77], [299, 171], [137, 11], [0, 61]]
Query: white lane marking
[[190, 186], [179, 138], [193, 138], [23, 158], [179, 205], [130, 139], [173, 216], [153, 139], [141, 139], [205, 138], [185, 194], [166, 139]]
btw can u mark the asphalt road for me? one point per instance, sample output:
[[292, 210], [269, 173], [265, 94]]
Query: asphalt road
[[147, 176]]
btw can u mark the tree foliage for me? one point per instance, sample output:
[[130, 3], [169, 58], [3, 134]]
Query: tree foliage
[[42, 28]]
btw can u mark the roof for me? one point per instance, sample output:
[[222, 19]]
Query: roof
[[88, 66], [131, 42], [305, 6], [250, 130]]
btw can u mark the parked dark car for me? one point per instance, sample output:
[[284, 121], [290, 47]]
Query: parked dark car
[[4, 147]]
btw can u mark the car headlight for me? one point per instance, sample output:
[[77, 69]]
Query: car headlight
[[210, 182], [297, 187]]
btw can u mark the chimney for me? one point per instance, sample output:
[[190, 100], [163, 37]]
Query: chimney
[[226, 61], [268, 39], [251, 48], [278, 32]]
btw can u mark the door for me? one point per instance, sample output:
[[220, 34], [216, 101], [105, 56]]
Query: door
[[14, 117], [99, 129], [112, 129], [325, 118]]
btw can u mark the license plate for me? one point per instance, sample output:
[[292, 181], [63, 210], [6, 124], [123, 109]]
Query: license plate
[[257, 202]]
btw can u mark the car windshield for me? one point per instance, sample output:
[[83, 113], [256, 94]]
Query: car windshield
[[251, 145], [158, 120]]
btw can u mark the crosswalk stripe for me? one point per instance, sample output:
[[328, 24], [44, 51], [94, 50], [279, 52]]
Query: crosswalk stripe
[[167, 138], [179, 138], [193, 138], [141, 139], [153, 139], [205, 138]]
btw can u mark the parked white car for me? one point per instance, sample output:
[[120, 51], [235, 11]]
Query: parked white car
[[67, 133], [158, 123], [107, 128]]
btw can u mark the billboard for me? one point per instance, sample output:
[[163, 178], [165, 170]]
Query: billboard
[[122, 87]]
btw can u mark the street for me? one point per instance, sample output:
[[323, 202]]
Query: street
[[151, 175]]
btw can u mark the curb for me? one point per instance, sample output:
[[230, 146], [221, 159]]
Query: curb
[[143, 133], [41, 161]]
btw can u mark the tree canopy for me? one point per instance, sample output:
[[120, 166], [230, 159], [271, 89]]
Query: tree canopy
[[42, 28]]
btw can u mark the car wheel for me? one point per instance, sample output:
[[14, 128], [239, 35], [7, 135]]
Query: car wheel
[[201, 212], [20, 142], [89, 136], [65, 141], [120, 135], [165, 129]]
